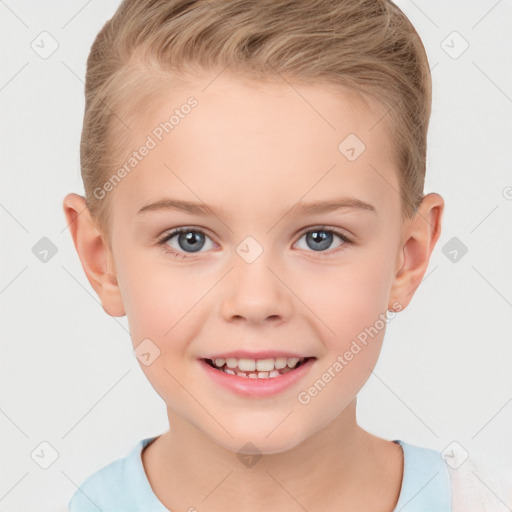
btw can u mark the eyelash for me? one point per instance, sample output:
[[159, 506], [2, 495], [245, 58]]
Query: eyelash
[[162, 241]]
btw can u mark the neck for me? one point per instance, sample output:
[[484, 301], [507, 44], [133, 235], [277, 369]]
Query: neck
[[339, 464]]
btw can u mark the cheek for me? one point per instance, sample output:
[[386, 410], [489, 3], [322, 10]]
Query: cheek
[[158, 306], [153, 298], [353, 304], [163, 305], [350, 298]]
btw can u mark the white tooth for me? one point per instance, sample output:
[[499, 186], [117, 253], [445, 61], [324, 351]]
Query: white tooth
[[280, 363], [292, 361], [273, 373], [262, 375], [232, 362], [230, 372], [252, 376], [247, 365], [264, 365], [220, 362]]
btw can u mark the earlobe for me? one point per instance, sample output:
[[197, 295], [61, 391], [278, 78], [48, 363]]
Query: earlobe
[[421, 235], [94, 253]]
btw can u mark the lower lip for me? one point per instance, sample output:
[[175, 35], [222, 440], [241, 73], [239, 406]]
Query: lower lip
[[257, 387]]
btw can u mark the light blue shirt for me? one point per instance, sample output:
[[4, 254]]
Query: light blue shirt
[[122, 485]]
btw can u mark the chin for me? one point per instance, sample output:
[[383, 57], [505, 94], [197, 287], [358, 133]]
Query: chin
[[263, 438]]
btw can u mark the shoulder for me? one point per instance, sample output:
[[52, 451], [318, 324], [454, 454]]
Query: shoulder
[[425, 480], [480, 484], [110, 488], [454, 481], [101, 490]]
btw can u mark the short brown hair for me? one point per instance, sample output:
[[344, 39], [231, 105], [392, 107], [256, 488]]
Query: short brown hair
[[368, 47]]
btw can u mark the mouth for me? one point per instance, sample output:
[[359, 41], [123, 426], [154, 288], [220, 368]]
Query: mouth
[[267, 368]]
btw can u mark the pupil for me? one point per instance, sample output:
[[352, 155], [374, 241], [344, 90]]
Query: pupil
[[190, 238], [322, 240]]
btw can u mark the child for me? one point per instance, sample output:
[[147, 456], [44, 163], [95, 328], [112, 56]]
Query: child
[[285, 140]]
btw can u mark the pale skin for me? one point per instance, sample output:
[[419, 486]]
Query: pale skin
[[252, 153]]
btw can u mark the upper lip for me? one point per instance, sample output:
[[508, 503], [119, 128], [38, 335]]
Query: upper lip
[[265, 354]]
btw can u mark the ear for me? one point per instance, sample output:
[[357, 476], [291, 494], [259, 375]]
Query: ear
[[94, 253], [420, 236]]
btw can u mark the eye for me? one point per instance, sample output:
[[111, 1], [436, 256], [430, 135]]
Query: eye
[[188, 239], [192, 240], [321, 238]]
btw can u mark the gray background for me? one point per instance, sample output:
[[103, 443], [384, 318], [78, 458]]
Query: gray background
[[67, 373]]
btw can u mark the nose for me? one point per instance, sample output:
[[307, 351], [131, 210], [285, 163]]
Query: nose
[[256, 292]]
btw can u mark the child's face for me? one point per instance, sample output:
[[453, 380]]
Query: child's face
[[254, 154]]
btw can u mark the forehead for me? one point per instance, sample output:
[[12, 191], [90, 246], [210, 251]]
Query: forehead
[[221, 138]]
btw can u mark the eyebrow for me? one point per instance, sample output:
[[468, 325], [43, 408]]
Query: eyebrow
[[299, 209]]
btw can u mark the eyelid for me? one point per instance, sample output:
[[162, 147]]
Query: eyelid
[[322, 227], [168, 234], [319, 227], [341, 233], [171, 233]]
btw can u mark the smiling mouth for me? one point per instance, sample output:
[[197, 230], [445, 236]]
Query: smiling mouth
[[257, 368]]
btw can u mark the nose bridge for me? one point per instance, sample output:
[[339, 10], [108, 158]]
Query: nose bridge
[[255, 291], [252, 274]]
